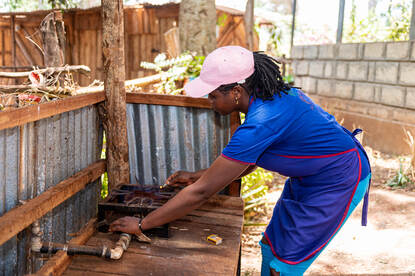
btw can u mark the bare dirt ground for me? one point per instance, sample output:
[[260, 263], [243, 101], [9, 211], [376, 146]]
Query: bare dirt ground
[[386, 246]]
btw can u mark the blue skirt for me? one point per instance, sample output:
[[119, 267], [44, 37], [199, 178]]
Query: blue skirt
[[285, 269]]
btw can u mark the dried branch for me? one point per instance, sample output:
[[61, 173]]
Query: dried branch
[[140, 82], [48, 71]]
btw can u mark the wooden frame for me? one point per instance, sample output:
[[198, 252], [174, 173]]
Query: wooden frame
[[160, 99], [24, 215], [21, 116]]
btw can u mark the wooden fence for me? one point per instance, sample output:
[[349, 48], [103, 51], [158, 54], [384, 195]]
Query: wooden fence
[[49, 154], [144, 37]]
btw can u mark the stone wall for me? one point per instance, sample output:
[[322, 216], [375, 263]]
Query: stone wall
[[370, 85]]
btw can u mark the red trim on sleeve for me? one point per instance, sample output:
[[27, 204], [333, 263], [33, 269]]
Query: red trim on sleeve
[[236, 160]]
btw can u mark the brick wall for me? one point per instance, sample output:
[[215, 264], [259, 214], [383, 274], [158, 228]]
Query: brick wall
[[370, 85]]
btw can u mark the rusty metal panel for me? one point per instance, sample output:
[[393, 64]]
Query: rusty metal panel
[[35, 157], [164, 139]]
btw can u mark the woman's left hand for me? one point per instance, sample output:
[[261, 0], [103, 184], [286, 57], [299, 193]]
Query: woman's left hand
[[126, 225]]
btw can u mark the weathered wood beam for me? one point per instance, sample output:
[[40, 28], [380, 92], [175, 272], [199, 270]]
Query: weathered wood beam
[[249, 24], [114, 78], [70, 68], [160, 99], [140, 82], [60, 261], [53, 53], [21, 116], [17, 219]]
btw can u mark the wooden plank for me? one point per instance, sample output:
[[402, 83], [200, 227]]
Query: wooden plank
[[143, 51], [60, 261], [21, 116], [3, 48], [33, 41], [24, 50], [81, 272], [213, 218], [146, 21], [21, 217], [186, 252], [168, 10], [154, 27], [139, 21], [173, 100], [13, 40]]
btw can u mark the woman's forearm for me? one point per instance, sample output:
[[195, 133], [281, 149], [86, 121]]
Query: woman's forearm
[[183, 203], [221, 173], [198, 174]]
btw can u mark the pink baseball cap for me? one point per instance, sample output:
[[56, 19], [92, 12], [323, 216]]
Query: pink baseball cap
[[224, 65]]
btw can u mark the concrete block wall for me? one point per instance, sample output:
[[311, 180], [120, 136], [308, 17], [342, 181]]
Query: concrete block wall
[[378, 77]]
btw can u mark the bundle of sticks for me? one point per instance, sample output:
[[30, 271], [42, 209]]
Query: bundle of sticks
[[41, 85]]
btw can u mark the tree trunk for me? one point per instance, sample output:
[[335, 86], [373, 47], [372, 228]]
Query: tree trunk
[[114, 77], [197, 26]]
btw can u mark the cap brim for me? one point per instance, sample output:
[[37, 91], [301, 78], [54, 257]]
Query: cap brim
[[198, 88]]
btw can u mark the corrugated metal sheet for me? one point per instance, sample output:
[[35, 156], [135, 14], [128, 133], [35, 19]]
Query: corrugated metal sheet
[[37, 156], [164, 139]]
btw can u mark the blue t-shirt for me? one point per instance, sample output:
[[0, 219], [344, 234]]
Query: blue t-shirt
[[295, 137]]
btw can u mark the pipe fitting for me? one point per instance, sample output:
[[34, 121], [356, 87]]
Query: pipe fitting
[[36, 241], [121, 245]]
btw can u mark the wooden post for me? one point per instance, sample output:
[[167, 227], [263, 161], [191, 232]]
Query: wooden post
[[249, 24], [412, 26], [340, 22], [13, 34], [293, 24], [53, 39], [114, 77]]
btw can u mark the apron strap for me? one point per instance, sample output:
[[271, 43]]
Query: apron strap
[[366, 198]]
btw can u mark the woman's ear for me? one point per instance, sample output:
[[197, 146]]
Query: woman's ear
[[237, 91]]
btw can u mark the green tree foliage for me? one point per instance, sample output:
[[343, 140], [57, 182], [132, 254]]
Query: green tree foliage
[[392, 25], [30, 5], [254, 189], [174, 71]]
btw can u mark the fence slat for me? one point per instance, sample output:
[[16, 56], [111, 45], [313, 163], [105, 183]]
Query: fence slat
[[21, 217]]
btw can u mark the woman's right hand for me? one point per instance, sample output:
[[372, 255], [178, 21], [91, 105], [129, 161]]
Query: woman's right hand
[[182, 178]]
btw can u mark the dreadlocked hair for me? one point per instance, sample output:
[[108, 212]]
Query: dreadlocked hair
[[266, 81]]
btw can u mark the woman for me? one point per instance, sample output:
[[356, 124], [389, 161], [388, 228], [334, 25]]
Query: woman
[[285, 132]]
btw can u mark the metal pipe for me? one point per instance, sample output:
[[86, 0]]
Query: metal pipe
[[51, 247]]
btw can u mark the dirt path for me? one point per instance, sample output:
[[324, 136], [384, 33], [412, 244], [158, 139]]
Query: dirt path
[[385, 246]]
